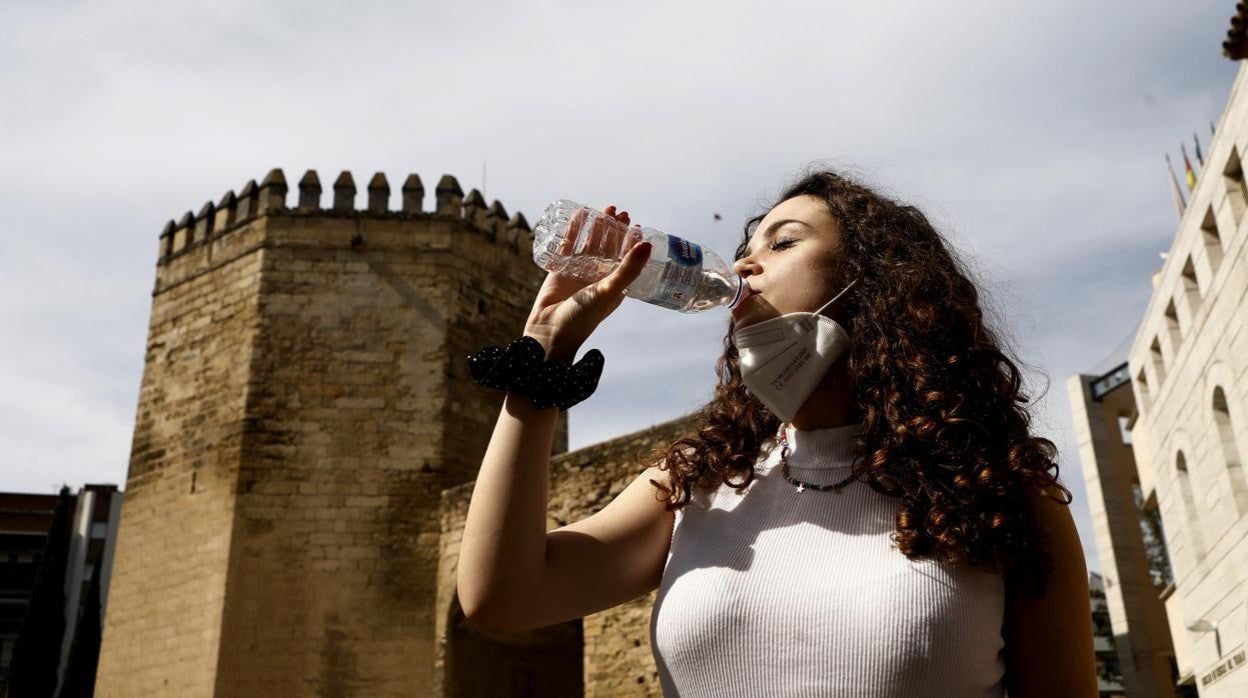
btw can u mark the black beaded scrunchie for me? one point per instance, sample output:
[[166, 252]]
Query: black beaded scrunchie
[[521, 367]]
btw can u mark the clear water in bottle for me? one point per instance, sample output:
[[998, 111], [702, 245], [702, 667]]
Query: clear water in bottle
[[680, 274]]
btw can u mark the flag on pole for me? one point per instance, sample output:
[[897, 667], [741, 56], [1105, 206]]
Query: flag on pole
[[1187, 166], [1179, 204], [1199, 158]]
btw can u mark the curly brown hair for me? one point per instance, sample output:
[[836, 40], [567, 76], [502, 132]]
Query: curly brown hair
[[943, 423]]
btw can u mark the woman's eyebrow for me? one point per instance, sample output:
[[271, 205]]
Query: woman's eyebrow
[[771, 230]]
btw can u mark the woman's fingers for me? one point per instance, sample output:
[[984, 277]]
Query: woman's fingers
[[612, 246], [619, 237], [609, 235], [569, 238], [606, 237], [628, 271], [605, 242]]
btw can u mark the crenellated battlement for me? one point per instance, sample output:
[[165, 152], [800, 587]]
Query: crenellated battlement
[[306, 398], [255, 201]]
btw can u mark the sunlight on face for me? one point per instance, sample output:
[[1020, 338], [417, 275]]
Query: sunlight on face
[[791, 262]]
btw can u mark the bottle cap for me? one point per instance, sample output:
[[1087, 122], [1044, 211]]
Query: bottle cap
[[743, 291]]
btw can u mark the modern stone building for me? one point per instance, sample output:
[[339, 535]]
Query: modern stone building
[[1133, 578], [25, 523], [1109, 681], [305, 441], [1183, 396]]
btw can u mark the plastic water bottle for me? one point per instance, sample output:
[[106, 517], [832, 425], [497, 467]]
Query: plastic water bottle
[[680, 274]]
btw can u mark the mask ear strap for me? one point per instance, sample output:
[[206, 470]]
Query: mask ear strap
[[809, 323]]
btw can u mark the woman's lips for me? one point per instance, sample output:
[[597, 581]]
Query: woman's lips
[[746, 291], [743, 307]]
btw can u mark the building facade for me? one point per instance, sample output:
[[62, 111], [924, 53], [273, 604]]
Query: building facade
[[1135, 573], [1187, 367], [25, 522], [1108, 672]]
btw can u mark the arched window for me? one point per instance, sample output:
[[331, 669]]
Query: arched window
[[1154, 534], [1192, 535], [1229, 449]]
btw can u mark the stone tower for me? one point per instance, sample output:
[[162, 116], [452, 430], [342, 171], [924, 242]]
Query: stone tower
[[305, 402]]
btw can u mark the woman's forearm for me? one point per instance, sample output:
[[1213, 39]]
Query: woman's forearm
[[504, 540]]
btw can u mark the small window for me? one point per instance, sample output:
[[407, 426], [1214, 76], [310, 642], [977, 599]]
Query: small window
[[1159, 364], [1213, 241], [1236, 192], [1124, 428], [1172, 326], [1190, 283]]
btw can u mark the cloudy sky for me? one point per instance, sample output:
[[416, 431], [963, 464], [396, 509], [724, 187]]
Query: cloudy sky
[[1031, 133]]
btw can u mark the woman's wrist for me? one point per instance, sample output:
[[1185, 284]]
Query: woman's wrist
[[555, 350], [544, 373]]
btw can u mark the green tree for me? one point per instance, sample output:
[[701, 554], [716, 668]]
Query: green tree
[[37, 650], [1154, 540]]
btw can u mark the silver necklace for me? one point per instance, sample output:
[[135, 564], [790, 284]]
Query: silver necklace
[[800, 484]]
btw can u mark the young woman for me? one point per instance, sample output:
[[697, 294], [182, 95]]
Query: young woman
[[861, 509]]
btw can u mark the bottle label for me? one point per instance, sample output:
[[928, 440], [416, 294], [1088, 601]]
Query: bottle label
[[681, 274]]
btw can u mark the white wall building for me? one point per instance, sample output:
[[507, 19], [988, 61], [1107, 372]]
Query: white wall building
[[1171, 518]]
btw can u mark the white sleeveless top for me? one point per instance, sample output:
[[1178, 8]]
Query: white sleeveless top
[[772, 592]]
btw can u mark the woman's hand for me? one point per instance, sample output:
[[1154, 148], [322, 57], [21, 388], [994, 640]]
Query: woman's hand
[[568, 309]]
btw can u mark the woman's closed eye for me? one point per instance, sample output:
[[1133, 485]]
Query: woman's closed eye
[[780, 244]]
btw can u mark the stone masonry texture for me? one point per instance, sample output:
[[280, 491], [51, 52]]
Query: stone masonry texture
[[305, 443]]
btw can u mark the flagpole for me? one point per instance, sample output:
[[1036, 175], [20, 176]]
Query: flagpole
[[1187, 168], [1179, 203]]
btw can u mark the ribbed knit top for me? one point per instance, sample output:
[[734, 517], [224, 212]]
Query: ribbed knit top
[[772, 592]]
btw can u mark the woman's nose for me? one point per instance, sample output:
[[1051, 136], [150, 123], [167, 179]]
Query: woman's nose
[[744, 267]]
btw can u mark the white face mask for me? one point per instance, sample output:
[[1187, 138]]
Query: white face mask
[[782, 359]]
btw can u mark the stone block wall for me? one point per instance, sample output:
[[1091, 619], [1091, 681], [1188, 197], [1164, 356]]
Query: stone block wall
[[163, 627], [615, 657], [305, 402]]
